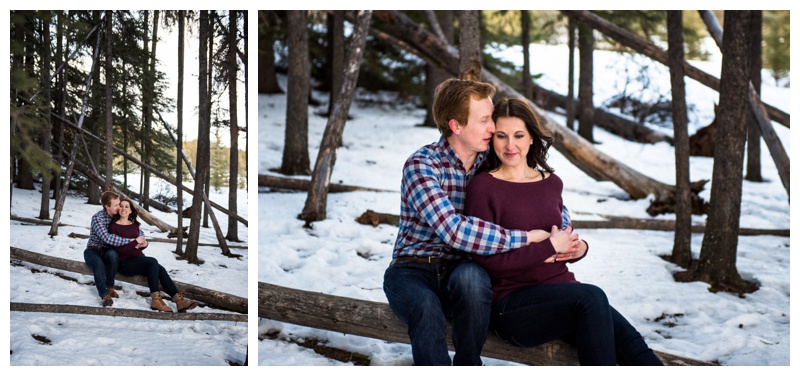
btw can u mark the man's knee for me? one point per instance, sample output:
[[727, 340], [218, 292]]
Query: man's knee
[[111, 256], [470, 278]]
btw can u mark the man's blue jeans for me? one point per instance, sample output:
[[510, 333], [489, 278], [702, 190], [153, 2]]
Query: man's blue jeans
[[577, 313], [103, 263], [426, 296]]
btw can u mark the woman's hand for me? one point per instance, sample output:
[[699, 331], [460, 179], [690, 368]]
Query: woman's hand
[[568, 246], [535, 236]]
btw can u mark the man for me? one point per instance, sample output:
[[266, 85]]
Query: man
[[99, 254], [430, 278]]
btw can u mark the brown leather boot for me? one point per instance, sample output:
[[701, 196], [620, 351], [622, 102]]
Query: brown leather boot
[[113, 292], [158, 303], [183, 304], [107, 301]]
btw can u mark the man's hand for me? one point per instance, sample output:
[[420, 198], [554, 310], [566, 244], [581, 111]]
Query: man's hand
[[568, 246]]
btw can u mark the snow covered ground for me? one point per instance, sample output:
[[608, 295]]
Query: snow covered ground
[[341, 257], [105, 340]]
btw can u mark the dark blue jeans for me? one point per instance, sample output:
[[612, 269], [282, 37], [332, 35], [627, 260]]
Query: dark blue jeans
[[149, 267], [103, 263], [426, 296], [577, 313]]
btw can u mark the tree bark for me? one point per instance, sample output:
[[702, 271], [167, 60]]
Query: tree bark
[[570, 102], [757, 110], [650, 50], [585, 82], [581, 153], [682, 247], [376, 320], [525, 39], [433, 74], [295, 148], [336, 23], [179, 141], [233, 174], [267, 76], [121, 312], [316, 203], [213, 298], [109, 103], [469, 44], [717, 263], [753, 133], [190, 254], [46, 135]]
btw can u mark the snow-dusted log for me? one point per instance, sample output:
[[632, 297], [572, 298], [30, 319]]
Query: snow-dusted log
[[213, 298], [280, 182], [121, 312], [376, 320], [158, 240], [374, 218]]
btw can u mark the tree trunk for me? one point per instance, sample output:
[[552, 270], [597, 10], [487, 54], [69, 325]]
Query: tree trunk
[[46, 135], [267, 76], [95, 124], [577, 150], [108, 102], [570, 103], [682, 248], [717, 263], [434, 75], [215, 299], [148, 120], [469, 45], [121, 312], [585, 90], [527, 83], [753, 134], [204, 132], [233, 174], [179, 143], [60, 103], [774, 144], [71, 162], [295, 148], [650, 50], [336, 55], [376, 320], [316, 203], [303, 185]]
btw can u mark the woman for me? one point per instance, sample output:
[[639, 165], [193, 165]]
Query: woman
[[535, 298], [132, 261]]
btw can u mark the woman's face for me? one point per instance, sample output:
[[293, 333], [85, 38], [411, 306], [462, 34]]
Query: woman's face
[[124, 209], [511, 141]]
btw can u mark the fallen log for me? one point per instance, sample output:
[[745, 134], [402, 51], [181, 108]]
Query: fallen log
[[121, 312], [377, 320], [35, 221], [622, 127], [279, 182], [611, 222], [213, 298], [158, 240]]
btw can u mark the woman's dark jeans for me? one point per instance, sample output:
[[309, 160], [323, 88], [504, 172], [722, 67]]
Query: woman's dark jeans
[[103, 263], [577, 313], [149, 267], [425, 296]]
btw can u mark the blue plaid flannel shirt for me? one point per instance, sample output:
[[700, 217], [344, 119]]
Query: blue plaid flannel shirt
[[433, 192]]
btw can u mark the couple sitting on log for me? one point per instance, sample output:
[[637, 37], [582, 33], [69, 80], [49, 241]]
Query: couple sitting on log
[[484, 239], [116, 243]]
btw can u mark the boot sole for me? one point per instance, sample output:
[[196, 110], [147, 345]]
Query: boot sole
[[156, 309]]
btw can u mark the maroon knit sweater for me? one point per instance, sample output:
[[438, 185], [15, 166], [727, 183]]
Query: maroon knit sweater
[[524, 206], [127, 231]]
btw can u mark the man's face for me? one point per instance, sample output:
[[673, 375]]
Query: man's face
[[477, 133], [112, 208]]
